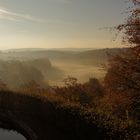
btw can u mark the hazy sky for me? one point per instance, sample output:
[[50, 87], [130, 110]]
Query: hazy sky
[[59, 23]]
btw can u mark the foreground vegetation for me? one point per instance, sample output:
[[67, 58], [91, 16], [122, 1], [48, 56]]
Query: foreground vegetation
[[94, 110], [76, 111], [41, 118]]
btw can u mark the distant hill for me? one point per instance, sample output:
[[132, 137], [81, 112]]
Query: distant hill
[[52, 66], [87, 57], [52, 49], [96, 57], [15, 73]]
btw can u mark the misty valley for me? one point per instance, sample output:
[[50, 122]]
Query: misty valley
[[69, 70], [18, 68], [60, 94]]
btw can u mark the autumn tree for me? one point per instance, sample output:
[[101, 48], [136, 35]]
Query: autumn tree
[[123, 76]]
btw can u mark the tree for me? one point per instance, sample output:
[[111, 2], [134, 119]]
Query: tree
[[123, 76], [70, 81], [94, 87]]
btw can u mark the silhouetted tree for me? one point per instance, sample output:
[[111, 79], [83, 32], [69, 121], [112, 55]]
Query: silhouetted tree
[[123, 76], [94, 87]]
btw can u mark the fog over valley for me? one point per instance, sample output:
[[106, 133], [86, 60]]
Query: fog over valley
[[19, 68]]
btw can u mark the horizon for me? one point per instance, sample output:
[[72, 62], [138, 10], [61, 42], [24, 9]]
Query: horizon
[[58, 49], [60, 23], [69, 69]]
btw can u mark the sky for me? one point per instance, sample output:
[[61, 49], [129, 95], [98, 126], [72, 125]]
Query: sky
[[60, 23]]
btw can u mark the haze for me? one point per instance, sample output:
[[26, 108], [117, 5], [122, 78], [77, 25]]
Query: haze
[[21, 67], [59, 23]]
